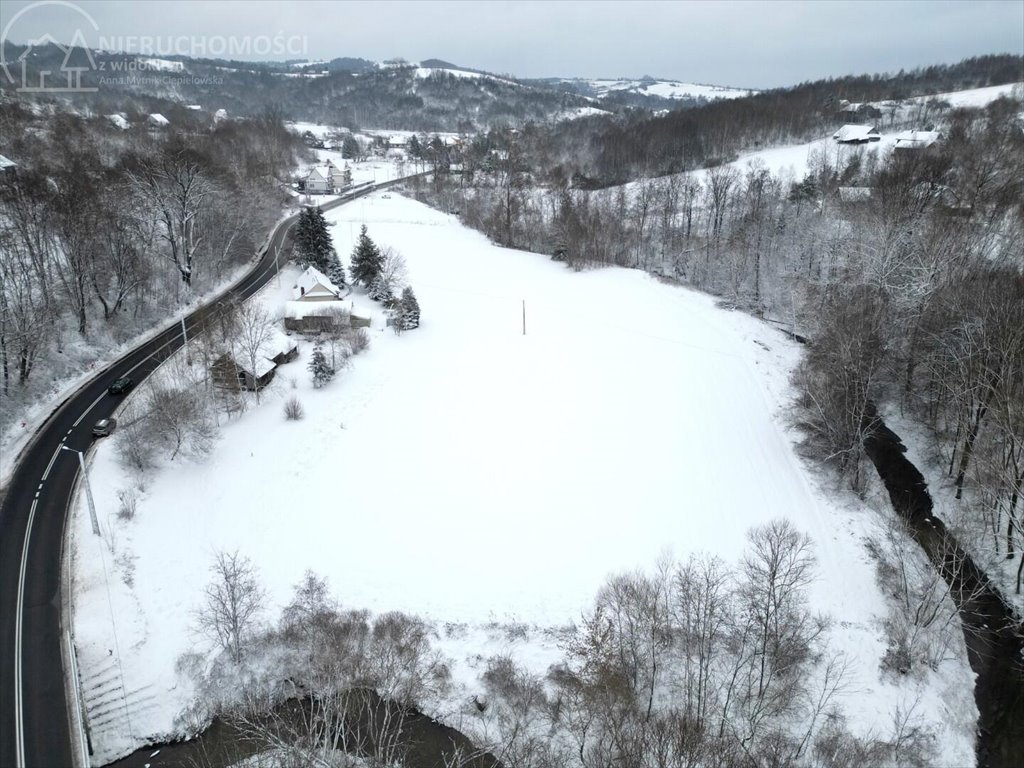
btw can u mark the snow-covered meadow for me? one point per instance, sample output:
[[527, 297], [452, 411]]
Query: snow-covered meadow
[[482, 477]]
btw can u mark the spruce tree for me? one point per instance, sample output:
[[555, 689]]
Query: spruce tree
[[320, 368], [313, 244], [367, 260], [336, 272], [408, 311]]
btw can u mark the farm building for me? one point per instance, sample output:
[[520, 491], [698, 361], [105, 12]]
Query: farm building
[[916, 139], [856, 134]]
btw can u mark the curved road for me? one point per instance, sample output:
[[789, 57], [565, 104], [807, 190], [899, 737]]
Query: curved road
[[34, 721]]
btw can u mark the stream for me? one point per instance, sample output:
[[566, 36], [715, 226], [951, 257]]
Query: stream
[[993, 635]]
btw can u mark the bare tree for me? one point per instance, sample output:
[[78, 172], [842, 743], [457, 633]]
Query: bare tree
[[234, 600], [254, 331]]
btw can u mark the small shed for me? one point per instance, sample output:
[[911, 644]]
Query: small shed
[[156, 120], [228, 373], [7, 166], [118, 120], [856, 134], [281, 348]]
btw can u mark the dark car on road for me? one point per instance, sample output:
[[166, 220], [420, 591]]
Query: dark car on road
[[121, 386]]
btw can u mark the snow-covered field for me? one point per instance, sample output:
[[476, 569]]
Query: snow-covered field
[[479, 477], [667, 89]]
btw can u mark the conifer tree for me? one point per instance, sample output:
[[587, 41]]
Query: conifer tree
[[320, 368], [408, 311], [313, 244], [366, 260]]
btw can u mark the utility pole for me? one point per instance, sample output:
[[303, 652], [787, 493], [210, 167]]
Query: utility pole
[[88, 489], [184, 341]]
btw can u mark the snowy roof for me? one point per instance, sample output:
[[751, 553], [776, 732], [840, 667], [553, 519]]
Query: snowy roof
[[313, 281], [316, 175], [119, 120], [193, 106], [5, 163], [277, 342], [398, 141], [264, 366], [853, 132], [157, 119], [300, 309], [221, 114], [916, 139]]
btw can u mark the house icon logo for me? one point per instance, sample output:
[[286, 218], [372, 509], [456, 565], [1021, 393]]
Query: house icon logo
[[34, 70]]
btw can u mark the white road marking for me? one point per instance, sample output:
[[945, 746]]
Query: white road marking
[[52, 459], [19, 723]]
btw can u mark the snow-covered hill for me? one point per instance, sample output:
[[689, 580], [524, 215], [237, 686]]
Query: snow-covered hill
[[648, 86]]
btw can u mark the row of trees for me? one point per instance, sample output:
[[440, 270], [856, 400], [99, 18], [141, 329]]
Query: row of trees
[[697, 663], [104, 235]]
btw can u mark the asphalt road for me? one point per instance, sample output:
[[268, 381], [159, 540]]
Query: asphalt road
[[34, 723]]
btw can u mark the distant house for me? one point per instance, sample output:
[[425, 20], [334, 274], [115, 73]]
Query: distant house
[[856, 134], [398, 142], [316, 183], [916, 139], [118, 120], [194, 107], [228, 373], [156, 120], [314, 285], [7, 167]]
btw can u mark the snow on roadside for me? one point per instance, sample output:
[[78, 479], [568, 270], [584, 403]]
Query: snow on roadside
[[484, 478]]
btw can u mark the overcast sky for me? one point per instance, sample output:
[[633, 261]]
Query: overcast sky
[[756, 44]]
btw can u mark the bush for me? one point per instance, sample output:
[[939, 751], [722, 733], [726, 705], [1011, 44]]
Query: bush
[[358, 339], [293, 409], [129, 500]]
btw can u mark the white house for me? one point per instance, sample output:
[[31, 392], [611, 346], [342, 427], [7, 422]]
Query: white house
[[119, 121], [314, 285], [335, 175], [156, 120], [317, 183], [916, 139], [856, 134]]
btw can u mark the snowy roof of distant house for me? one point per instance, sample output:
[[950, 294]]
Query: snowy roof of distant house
[[120, 121], [157, 119], [5, 163], [916, 139], [315, 175], [195, 107], [398, 141], [314, 282], [220, 114], [853, 132]]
